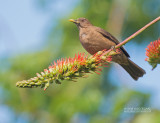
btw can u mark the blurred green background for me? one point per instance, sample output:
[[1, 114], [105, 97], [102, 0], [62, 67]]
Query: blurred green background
[[34, 33]]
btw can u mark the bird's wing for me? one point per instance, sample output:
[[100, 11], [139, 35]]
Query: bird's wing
[[112, 38]]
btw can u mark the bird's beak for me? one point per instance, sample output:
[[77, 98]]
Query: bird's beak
[[74, 21]]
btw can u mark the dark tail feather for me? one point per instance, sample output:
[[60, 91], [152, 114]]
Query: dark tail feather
[[134, 70]]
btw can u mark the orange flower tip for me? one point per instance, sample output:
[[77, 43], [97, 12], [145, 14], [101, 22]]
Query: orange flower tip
[[146, 59], [99, 69], [38, 75], [50, 70], [97, 73], [45, 70], [43, 74]]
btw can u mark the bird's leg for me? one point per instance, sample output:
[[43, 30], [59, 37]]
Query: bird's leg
[[113, 48], [113, 51]]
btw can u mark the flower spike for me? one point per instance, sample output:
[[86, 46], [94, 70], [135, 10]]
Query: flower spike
[[68, 69]]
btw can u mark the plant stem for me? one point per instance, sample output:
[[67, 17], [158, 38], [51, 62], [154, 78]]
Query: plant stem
[[135, 34]]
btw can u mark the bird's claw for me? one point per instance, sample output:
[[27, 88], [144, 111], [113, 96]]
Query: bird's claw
[[113, 48]]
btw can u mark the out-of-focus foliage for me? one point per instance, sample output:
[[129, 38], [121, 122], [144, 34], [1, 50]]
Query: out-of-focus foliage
[[94, 99]]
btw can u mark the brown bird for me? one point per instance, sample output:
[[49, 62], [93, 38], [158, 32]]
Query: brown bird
[[95, 39]]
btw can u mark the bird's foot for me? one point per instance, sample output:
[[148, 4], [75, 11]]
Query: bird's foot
[[113, 48]]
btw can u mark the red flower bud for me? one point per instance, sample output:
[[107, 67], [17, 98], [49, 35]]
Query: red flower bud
[[153, 53]]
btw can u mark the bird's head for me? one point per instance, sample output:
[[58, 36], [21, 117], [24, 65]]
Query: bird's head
[[81, 22]]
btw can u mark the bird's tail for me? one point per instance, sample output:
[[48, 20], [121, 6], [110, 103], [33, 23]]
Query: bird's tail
[[134, 70]]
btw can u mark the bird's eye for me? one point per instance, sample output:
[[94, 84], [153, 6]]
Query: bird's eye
[[83, 20]]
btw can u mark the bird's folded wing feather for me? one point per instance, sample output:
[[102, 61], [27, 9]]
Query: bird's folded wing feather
[[112, 38]]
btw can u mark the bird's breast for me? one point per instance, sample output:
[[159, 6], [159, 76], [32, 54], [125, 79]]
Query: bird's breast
[[86, 41], [84, 38], [93, 41]]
